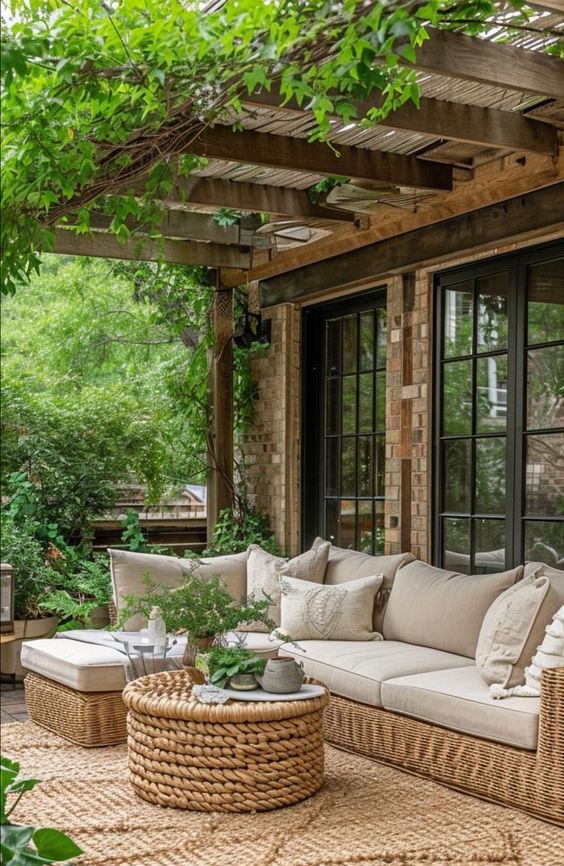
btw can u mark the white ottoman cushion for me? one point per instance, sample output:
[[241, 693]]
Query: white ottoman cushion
[[81, 666]]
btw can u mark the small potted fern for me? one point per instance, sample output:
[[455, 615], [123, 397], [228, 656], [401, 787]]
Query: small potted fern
[[234, 666]]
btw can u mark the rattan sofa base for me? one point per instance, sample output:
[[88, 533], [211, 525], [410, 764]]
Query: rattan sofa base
[[531, 781], [86, 718]]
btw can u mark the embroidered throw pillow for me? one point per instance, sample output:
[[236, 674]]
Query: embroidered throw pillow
[[341, 612], [264, 571], [512, 628]]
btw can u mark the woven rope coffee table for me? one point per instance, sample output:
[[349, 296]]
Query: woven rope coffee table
[[234, 757]]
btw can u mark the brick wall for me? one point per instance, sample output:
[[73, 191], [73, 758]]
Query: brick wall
[[272, 446]]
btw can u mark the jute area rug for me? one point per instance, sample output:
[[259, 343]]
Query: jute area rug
[[366, 814]]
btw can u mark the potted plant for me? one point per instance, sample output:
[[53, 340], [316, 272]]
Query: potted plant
[[202, 609], [234, 666], [25, 554]]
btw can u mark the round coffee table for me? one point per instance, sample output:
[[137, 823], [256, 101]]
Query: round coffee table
[[233, 757]]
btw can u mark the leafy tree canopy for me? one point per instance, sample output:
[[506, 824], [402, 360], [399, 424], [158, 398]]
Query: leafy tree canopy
[[98, 94]]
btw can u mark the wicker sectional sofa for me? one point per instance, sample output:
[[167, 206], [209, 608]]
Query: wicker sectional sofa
[[419, 706]]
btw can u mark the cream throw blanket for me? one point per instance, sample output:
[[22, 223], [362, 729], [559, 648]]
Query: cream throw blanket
[[550, 654]]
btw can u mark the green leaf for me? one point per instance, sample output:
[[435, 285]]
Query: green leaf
[[55, 845]]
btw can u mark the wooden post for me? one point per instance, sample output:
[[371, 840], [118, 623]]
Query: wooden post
[[220, 437]]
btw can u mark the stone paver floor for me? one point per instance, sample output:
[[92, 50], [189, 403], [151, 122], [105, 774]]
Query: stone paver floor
[[12, 703]]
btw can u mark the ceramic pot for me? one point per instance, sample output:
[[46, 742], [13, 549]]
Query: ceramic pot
[[243, 682], [282, 676]]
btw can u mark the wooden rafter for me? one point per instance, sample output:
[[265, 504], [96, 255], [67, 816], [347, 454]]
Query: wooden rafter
[[515, 218], [297, 154], [495, 63], [178, 252], [437, 117], [178, 224], [254, 197]]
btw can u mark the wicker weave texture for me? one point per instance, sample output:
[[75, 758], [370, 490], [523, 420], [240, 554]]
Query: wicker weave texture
[[85, 718], [532, 781], [234, 757]]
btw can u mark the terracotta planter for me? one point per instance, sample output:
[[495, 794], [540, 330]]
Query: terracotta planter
[[25, 629]]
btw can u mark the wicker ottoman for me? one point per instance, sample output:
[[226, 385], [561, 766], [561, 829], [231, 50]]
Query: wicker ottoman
[[234, 757], [86, 718]]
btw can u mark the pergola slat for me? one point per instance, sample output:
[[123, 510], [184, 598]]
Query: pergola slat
[[519, 217], [458, 121], [177, 252], [297, 154]]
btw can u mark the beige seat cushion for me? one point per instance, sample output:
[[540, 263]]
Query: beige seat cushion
[[264, 571], [513, 628], [128, 571], [345, 565], [357, 669], [81, 666], [459, 699], [433, 607], [89, 667]]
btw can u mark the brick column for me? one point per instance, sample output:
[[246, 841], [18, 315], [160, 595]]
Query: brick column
[[407, 415]]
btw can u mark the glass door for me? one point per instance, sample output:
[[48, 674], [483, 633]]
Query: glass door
[[344, 400]]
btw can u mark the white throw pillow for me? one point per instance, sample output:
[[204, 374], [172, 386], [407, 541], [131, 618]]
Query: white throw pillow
[[264, 571], [329, 612], [550, 654]]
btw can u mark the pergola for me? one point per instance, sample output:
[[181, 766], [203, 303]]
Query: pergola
[[476, 165]]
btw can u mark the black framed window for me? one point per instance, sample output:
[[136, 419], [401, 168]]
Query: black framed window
[[499, 413], [344, 399]]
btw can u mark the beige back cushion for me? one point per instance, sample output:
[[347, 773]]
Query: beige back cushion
[[345, 565], [320, 612], [128, 571], [264, 571], [433, 607]]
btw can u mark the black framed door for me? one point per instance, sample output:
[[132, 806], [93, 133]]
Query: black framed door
[[343, 421], [499, 412]]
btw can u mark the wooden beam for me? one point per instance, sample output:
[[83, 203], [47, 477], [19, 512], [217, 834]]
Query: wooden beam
[[548, 5], [495, 63], [297, 154], [454, 120], [107, 246], [492, 182], [220, 434], [522, 217], [254, 197], [177, 224]]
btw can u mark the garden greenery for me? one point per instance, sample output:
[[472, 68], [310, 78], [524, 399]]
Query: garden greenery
[[98, 96], [201, 608]]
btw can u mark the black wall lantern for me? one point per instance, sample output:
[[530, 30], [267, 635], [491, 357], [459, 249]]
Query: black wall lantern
[[252, 329]]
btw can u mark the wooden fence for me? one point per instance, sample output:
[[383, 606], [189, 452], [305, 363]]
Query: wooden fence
[[178, 535]]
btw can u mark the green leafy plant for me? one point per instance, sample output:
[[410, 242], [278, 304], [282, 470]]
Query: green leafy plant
[[23, 845], [226, 216], [318, 190], [77, 586], [225, 662], [96, 95], [201, 608], [20, 547], [237, 528]]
